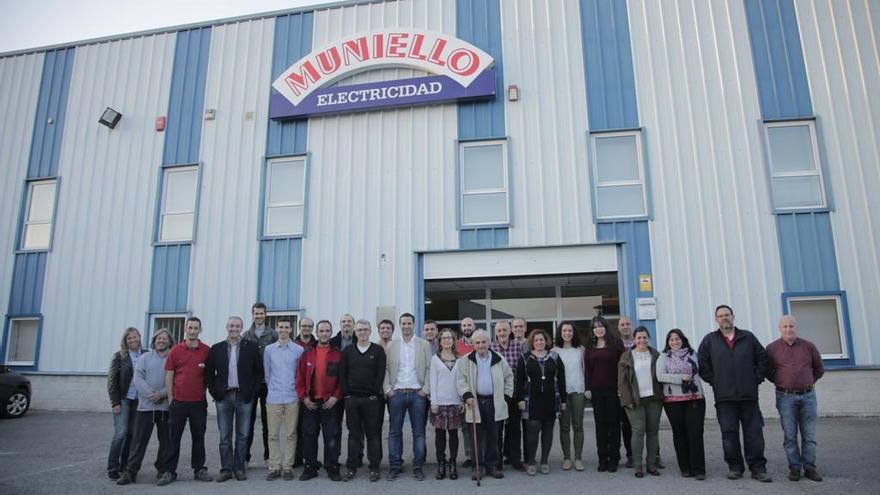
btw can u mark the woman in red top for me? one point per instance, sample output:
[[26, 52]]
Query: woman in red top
[[602, 353]]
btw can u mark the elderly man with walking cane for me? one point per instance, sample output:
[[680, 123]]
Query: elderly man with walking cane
[[485, 382]]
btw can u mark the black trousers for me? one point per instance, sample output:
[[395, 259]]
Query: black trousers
[[143, 428], [178, 414], [513, 437], [364, 417], [261, 398], [686, 419], [321, 421], [544, 428], [487, 433], [606, 413], [746, 412]]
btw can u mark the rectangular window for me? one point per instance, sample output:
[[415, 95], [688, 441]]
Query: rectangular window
[[37, 231], [820, 320], [22, 348], [273, 317], [483, 180], [173, 323], [795, 176], [285, 197], [180, 190], [619, 175]]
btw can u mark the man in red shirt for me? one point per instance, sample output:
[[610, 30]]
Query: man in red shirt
[[317, 386], [185, 383]]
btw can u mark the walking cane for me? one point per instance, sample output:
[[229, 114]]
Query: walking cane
[[476, 450]]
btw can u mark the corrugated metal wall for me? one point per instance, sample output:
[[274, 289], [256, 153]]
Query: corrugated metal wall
[[381, 185], [20, 78], [841, 47], [550, 196], [98, 275], [714, 236], [224, 264]]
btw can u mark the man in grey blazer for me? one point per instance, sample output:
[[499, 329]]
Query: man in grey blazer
[[406, 388]]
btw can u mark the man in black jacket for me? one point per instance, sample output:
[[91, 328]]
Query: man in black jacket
[[735, 363], [233, 372], [361, 376]]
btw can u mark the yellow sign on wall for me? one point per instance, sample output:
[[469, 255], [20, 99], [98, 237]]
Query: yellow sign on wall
[[645, 283]]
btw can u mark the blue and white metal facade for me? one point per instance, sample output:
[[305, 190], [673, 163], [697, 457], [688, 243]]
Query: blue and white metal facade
[[382, 186]]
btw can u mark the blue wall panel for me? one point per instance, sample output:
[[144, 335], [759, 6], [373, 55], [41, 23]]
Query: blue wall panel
[[608, 66], [51, 104], [479, 23], [779, 61], [483, 238], [636, 260], [279, 273], [293, 40], [28, 276], [806, 244], [184, 131], [170, 278]]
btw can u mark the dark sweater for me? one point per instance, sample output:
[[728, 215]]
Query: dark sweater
[[362, 374], [734, 373], [600, 367]]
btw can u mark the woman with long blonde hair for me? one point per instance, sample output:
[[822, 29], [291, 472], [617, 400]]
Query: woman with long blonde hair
[[123, 399]]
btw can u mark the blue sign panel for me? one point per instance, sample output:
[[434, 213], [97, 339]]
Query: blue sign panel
[[372, 96]]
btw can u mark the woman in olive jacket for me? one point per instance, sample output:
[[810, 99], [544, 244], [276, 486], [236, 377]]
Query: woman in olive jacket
[[642, 396]]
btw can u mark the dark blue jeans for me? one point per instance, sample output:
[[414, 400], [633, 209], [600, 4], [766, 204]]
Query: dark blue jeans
[[798, 412], [123, 428], [746, 412], [325, 422], [234, 411], [399, 405]]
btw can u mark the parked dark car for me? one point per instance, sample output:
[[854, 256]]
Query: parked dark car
[[15, 393]]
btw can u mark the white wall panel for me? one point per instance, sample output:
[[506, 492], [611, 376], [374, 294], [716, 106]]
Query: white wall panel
[[714, 239], [548, 126], [841, 43], [381, 183], [20, 80], [98, 273], [223, 277]]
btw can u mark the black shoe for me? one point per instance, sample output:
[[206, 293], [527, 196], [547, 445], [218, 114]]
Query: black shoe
[[653, 471], [393, 473], [612, 467], [126, 478], [441, 470], [467, 463], [241, 475], [202, 475], [418, 474], [334, 475], [113, 475], [687, 474], [639, 473], [273, 475], [226, 475], [734, 475], [629, 462], [812, 474], [762, 476], [166, 479], [602, 467], [453, 470], [287, 474], [374, 476], [349, 474], [700, 477], [794, 474], [496, 473], [308, 474]]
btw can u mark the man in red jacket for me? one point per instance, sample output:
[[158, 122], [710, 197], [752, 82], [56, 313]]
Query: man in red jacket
[[317, 386]]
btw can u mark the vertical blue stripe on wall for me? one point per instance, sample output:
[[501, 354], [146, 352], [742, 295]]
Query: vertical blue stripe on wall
[[783, 90], [51, 104], [170, 278], [280, 268], [636, 251], [28, 276], [479, 22], [184, 132], [806, 246], [608, 66]]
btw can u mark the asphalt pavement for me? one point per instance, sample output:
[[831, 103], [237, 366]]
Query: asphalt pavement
[[66, 453]]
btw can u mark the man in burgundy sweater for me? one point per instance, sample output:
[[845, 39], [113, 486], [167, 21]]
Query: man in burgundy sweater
[[795, 366]]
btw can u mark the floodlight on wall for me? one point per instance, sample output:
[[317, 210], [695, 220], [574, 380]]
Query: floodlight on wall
[[110, 118]]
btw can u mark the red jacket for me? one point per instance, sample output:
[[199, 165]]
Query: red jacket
[[305, 374]]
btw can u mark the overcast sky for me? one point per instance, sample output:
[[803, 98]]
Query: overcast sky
[[35, 23]]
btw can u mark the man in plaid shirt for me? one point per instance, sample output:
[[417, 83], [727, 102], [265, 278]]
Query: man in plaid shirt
[[510, 349]]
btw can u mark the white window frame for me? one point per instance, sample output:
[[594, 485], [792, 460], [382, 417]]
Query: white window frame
[[27, 221], [154, 327], [642, 180], [814, 143], [462, 193], [267, 206], [163, 213], [7, 357], [841, 322], [294, 315]]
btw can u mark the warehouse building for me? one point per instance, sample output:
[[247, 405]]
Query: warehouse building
[[488, 158]]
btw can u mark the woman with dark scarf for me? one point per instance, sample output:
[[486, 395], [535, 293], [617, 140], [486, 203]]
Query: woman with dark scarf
[[677, 371]]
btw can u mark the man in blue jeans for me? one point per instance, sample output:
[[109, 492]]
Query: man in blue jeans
[[406, 387], [795, 366], [233, 372]]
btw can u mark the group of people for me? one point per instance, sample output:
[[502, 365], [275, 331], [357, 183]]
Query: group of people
[[505, 395]]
